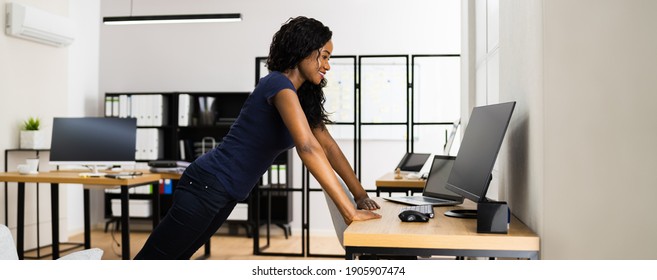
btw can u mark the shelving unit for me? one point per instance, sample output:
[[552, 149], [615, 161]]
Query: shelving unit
[[180, 125]]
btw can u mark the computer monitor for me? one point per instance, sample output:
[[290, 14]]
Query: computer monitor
[[93, 141], [471, 174], [413, 162]]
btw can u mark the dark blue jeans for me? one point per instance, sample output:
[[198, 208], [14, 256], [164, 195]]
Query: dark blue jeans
[[200, 206]]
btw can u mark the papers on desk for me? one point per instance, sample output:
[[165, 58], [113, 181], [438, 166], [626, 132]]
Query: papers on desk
[[168, 166], [176, 170], [144, 189]]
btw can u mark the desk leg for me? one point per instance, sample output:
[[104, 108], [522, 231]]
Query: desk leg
[[54, 206], [87, 220], [125, 223], [349, 253], [20, 223]]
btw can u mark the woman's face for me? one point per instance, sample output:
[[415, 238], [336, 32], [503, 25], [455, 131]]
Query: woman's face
[[314, 66]]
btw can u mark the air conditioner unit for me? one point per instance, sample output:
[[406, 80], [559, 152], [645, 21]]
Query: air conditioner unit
[[37, 25]]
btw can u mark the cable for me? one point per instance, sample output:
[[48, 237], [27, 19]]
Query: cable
[[118, 245]]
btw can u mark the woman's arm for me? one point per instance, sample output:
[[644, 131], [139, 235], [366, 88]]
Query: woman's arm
[[341, 165], [312, 155]]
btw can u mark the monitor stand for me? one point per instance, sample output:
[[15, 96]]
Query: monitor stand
[[94, 172], [462, 213]]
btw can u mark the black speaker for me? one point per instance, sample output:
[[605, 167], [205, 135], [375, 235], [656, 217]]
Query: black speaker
[[493, 217]]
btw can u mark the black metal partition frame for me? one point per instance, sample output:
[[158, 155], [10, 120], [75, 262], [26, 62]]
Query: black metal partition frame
[[408, 123], [413, 122], [360, 123]]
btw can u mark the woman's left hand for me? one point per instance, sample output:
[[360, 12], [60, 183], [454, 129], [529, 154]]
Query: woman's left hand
[[367, 204]]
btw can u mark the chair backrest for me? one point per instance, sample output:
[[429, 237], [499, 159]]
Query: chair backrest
[[338, 222], [7, 246], [88, 254], [8, 249]]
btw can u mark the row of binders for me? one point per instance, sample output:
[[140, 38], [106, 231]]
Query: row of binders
[[165, 186], [149, 110], [276, 175], [150, 144], [144, 189]]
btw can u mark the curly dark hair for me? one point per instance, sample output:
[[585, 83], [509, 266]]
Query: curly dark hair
[[296, 40]]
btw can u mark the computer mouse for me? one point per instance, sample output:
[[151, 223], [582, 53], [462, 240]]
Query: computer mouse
[[413, 216]]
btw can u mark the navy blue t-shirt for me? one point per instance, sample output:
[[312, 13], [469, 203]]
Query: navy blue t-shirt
[[256, 138]]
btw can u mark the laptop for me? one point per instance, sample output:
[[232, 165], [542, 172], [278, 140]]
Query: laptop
[[413, 162], [434, 193]]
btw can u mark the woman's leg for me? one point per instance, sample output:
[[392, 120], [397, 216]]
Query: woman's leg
[[185, 221], [200, 207], [218, 220]]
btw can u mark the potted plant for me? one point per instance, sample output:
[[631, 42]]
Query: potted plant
[[30, 136]]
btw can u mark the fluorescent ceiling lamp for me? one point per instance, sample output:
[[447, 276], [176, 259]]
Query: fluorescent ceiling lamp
[[198, 18]]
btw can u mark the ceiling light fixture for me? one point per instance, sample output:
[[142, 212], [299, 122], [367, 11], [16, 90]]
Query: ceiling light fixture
[[159, 19]]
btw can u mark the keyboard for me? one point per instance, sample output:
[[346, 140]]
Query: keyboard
[[426, 209]]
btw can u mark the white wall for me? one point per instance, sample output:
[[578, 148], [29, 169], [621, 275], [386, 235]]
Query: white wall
[[521, 79], [582, 142], [83, 94], [221, 57], [33, 82], [213, 57], [45, 81]]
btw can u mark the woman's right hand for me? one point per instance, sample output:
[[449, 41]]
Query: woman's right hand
[[363, 215]]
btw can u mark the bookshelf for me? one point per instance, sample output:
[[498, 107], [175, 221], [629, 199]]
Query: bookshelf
[[174, 126]]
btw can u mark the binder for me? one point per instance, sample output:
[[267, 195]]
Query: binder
[[184, 109], [168, 186], [115, 106], [124, 106], [181, 149], [108, 106]]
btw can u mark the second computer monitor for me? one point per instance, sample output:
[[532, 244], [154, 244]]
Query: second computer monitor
[[480, 145], [93, 141], [413, 162]]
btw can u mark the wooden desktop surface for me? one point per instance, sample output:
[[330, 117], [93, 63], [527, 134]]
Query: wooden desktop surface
[[440, 232], [388, 181], [73, 177]]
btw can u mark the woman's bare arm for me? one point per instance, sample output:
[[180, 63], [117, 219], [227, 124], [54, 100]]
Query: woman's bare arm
[[312, 155]]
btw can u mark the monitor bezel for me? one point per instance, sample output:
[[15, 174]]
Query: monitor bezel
[[468, 194], [92, 164], [403, 163], [455, 197]]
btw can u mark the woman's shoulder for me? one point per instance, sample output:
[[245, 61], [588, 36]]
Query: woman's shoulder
[[275, 77]]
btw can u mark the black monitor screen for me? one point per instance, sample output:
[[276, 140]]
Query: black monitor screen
[[480, 145], [441, 167], [413, 162], [93, 141]]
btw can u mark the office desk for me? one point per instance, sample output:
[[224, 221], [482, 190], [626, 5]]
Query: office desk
[[54, 178], [440, 236], [388, 183]]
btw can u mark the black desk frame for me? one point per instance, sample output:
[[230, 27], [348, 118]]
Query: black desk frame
[[54, 196], [353, 251], [38, 235]]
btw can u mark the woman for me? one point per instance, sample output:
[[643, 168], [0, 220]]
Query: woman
[[285, 110]]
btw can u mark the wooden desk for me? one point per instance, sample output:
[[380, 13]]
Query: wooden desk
[[440, 236], [388, 183], [54, 178]]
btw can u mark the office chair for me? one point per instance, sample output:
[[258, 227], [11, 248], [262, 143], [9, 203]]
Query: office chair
[[8, 249], [340, 226]]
